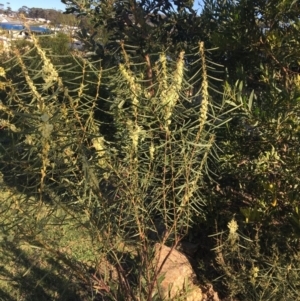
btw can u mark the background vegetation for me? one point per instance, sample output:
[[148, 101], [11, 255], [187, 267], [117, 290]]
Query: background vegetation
[[152, 139]]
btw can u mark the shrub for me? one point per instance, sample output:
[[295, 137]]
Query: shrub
[[138, 185]]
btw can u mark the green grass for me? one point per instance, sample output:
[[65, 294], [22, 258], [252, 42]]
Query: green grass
[[45, 253]]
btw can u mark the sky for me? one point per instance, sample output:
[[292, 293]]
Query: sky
[[54, 4], [16, 4]]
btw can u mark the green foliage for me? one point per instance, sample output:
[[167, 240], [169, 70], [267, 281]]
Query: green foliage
[[250, 33], [249, 273], [257, 179], [58, 44], [145, 27]]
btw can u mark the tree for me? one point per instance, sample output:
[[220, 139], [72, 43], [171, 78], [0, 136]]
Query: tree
[[8, 8], [36, 12], [146, 26], [23, 10]]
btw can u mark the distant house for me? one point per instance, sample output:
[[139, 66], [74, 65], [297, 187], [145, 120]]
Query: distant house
[[3, 19], [41, 20]]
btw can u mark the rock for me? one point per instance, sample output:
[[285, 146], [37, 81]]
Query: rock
[[179, 279], [175, 279]]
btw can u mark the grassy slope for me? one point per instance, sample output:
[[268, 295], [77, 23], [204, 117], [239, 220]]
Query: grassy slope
[[36, 271]]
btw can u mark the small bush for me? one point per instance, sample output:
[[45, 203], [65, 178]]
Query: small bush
[[130, 188]]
